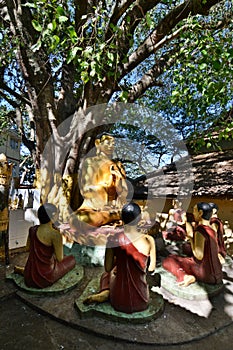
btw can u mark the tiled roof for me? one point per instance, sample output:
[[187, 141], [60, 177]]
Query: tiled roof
[[205, 174]]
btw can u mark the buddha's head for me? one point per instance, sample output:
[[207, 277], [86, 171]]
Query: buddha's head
[[105, 143]]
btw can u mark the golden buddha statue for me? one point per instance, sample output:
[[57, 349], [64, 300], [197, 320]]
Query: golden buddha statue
[[102, 186]]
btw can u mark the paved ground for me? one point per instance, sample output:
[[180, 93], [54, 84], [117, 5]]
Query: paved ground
[[41, 323], [24, 329]]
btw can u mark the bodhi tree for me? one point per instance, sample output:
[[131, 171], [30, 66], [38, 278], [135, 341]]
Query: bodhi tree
[[61, 57]]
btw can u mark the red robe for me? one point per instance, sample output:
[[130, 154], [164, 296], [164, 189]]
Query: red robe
[[178, 215], [127, 281], [221, 245], [207, 270], [42, 269], [176, 232]]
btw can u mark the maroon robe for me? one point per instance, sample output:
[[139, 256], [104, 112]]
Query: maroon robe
[[177, 232], [127, 281], [178, 215], [220, 230], [42, 269], [207, 270]]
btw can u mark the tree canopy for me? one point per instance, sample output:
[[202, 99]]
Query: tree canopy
[[61, 57]]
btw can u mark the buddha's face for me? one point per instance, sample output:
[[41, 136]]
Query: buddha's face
[[106, 145]]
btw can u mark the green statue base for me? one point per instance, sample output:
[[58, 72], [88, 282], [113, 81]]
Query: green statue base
[[105, 310], [66, 283]]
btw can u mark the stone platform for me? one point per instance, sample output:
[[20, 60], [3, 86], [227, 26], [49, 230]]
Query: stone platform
[[195, 297], [176, 325]]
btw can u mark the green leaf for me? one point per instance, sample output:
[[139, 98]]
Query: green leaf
[[92, 72], [56, 39], [124, 96], [52, 25], [204, 52], [60, 11], [72, 34], [29, 4], [203, 66], [210, 85], [175, 93], [62, 19], [217, 65], [36, 46], [36, 25], [149, 21], [128, 19], [72, 53], [110, 56], [85, 76]]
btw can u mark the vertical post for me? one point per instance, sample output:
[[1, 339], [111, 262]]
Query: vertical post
[[6, 244], [5, 179]]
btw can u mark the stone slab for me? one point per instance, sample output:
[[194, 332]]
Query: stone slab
[[177, 325], [195, 298], [195, 291], [105, 309], [66, 283]]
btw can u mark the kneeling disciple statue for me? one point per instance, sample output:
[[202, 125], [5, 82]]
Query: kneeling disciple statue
[[124, 281], [204, 265], [217, 225], [46, 263]]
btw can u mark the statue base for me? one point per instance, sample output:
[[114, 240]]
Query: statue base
[[195, 297], [195, 291], [105, 310], [63, 285]]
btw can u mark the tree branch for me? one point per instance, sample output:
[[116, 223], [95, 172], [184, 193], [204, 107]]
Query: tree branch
[[182, 11], [80, 11], [8, 100], [19, 97], [66, 102], [219, 25], [118, 11], [133, 18], [16, 118], [149, 79]]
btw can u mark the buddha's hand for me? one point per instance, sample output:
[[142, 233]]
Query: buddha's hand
[[115, 171]]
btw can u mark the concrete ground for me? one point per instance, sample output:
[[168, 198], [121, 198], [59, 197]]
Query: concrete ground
[[41, 323]]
